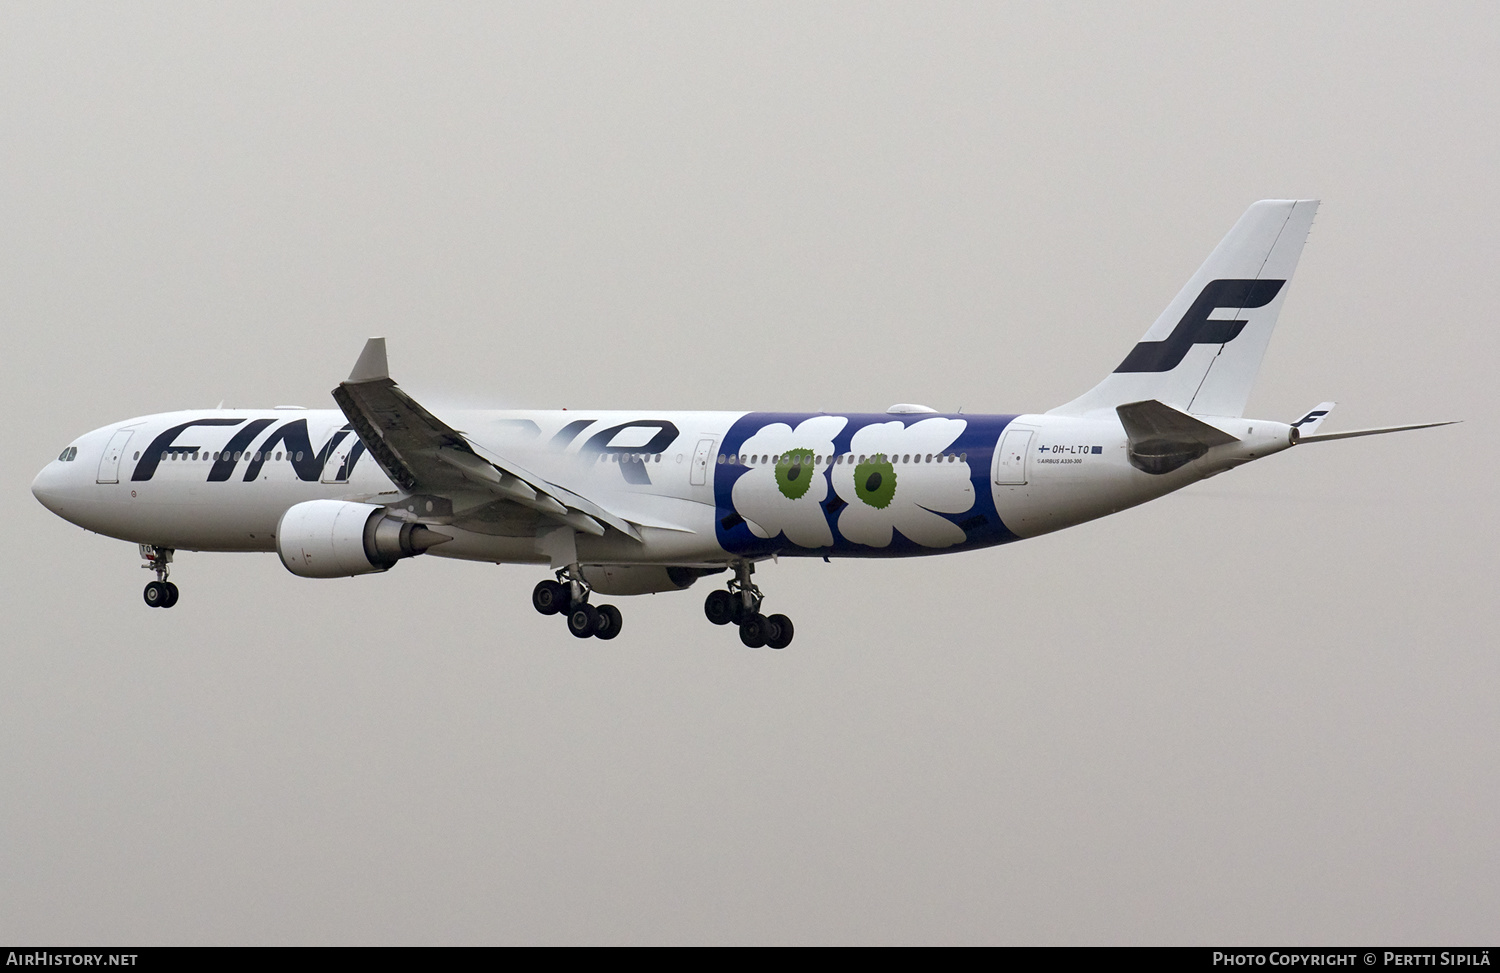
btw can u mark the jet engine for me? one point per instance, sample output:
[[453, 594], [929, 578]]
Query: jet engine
[[339, 539]]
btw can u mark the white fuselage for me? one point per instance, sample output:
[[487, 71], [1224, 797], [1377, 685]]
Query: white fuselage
[[700, 487]]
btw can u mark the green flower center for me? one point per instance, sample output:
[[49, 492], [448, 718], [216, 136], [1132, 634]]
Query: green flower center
[[875, 482], [794, 473]]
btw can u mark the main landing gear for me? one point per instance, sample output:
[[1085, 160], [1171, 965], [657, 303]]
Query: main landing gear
[[740, 604], [160, 593], [569, 596]]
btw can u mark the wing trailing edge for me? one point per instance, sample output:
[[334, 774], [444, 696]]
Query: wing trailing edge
[[1356, 433], [421, 453]]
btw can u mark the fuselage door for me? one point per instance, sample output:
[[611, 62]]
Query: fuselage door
[[701, 459], [109, 463], [1010, 458]]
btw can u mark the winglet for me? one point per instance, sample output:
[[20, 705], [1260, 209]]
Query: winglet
[[1309, 423], [371, 366]]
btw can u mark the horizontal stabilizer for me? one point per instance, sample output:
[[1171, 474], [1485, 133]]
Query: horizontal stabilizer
[[1371, 432], [1152, 420], [1163, 439]]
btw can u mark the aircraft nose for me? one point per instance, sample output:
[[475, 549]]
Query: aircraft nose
[[48, 487]]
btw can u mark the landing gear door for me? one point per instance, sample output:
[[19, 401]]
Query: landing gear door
[[701, 459], [1011, 457], [109, 463]]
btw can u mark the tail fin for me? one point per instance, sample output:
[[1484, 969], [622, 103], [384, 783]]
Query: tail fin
[[1203, 353]]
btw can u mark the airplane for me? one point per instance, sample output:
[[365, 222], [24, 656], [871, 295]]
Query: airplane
[[625, 503]]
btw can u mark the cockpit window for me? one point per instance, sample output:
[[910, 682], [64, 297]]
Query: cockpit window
[[68, 455]]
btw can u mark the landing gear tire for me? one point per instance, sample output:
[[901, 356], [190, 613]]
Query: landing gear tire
[[754, 630], [609, 622], [172, 594], [782, 636], [156, 594], [583, 621], [719, 607], [550, 597]]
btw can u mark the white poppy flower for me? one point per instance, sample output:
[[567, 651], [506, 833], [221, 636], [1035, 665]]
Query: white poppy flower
[[783, 490], [899, 476]]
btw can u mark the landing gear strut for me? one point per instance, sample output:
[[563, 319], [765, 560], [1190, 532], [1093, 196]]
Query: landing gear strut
[[569, 596], [160, 593], [740, 604]]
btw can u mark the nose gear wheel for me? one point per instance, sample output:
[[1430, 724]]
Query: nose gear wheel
[[160, 593]]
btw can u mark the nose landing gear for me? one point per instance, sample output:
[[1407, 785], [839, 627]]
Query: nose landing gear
[[569, 596], [160, 593], [740, 605]]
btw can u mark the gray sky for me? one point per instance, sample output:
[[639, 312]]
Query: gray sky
[[1260, 710]]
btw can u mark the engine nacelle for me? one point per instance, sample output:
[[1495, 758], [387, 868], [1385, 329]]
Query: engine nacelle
[[640, 579], [340, 539]]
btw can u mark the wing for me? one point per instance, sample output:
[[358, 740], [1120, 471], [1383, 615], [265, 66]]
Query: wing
[[423, 454]]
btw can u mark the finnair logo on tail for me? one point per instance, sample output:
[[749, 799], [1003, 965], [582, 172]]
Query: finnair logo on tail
[[1196, 328]]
